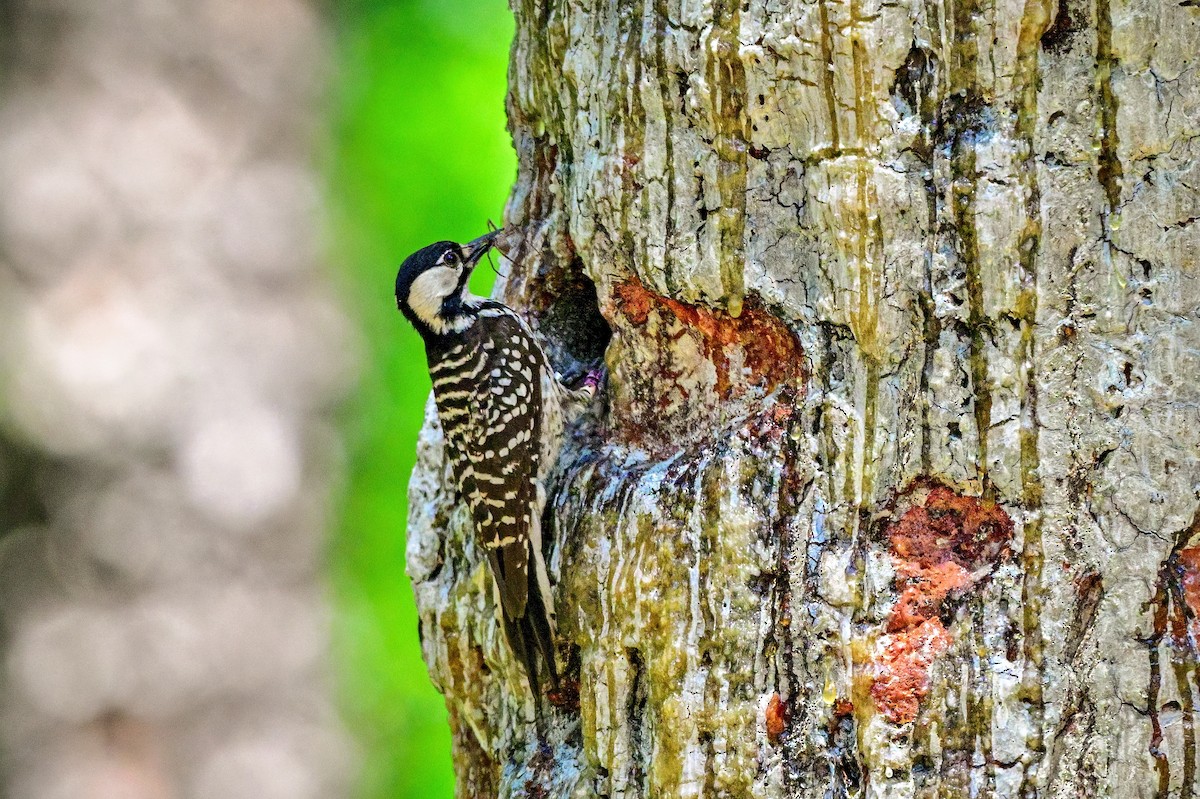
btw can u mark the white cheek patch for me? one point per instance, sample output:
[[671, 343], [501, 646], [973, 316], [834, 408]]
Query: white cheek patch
[[429, 291]]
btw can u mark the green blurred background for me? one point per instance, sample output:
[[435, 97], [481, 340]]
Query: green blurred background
[[420, 153]]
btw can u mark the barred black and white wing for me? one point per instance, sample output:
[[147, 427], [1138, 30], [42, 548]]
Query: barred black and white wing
[[490, 403], [503, 447]]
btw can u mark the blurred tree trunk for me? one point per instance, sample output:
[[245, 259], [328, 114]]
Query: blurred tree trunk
[[169, 356], [895, 486]]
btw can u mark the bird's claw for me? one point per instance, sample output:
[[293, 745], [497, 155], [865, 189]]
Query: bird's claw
[[592, 381]]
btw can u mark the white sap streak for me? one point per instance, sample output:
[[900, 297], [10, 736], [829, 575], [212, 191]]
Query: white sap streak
[[691, 783]]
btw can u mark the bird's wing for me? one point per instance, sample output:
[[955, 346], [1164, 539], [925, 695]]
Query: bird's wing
[[503, 446]]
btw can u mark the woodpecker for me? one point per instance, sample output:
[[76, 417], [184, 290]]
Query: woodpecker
[[503, 410]]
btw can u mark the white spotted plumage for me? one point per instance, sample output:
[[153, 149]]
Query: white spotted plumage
[[502, 410], [507, 417]]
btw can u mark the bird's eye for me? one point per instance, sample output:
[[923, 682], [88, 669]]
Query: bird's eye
[[451, 257]]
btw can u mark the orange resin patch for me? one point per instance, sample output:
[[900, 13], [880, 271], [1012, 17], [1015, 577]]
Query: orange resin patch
[[776, 717], [940, 546], [902, 669], [770, 352], [1189, 567]]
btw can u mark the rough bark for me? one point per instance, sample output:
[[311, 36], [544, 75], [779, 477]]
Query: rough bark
[[894, 491]]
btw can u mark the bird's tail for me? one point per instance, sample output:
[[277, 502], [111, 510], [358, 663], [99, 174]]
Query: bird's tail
[[531, 637]]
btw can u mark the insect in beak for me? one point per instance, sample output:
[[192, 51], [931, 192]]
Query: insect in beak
[[474, 250]]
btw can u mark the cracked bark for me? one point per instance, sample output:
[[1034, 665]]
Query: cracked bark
[[893, 489]]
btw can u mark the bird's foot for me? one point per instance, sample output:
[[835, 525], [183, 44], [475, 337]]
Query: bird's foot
[[592, 381]]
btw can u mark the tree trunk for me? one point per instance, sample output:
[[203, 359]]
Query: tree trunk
[[894, 488]]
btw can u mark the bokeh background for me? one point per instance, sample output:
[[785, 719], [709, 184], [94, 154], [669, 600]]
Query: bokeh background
[[208, 403]]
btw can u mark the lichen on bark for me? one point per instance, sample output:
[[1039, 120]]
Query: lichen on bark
[[864, 265]]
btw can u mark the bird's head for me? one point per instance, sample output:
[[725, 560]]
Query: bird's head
[[431, 286]]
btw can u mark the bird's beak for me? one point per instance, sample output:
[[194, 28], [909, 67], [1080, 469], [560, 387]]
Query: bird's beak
[[474, 250]]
